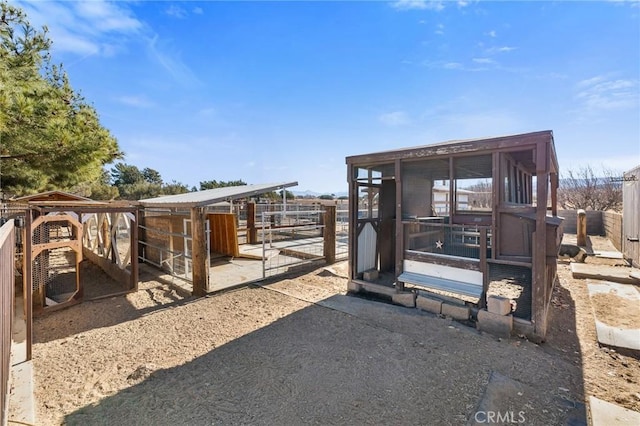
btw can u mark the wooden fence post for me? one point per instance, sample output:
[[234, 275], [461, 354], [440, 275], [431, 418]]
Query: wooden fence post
[[330, 234], [199, 258], [252, 235], [582, 228]]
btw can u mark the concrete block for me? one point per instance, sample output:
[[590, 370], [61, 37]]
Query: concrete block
[[430, 305], [404, 299], [498, 325], [457, 312], [370, 275], [353, 287], [499, 305]]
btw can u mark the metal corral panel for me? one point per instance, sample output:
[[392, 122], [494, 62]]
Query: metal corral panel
[[211, 196]]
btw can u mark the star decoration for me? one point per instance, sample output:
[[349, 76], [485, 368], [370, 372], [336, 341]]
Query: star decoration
[[439, 244]]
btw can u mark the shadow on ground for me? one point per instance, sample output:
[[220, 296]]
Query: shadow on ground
[[347, 360], [158, 292]]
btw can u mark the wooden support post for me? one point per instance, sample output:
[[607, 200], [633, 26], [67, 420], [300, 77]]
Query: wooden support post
[[582, 228], [330, 234], [399, 255], [484, 268], [27, 280], [353, 221], [141, 238], [134, 250], [496, 201], [199, 258], [555, 183], [252, 234], [539, 285]]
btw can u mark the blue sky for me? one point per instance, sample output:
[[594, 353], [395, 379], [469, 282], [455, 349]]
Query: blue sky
[[280, 91]]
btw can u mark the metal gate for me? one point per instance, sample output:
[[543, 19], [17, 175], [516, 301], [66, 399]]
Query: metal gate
[[290, 239]]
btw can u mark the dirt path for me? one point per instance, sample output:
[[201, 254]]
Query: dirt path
[[300, 351]]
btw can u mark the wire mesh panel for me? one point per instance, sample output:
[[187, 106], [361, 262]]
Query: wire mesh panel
[[291, 239], [55, 273], [512, 282], [452, 240], [57, 255], [166, 243]]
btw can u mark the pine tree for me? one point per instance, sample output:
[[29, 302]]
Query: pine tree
[[50, 137]]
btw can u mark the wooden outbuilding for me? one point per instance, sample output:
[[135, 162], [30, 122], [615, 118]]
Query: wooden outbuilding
[[180, 230], [497, 229]]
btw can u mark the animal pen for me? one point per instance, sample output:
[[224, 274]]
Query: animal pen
[[224, 237], [488, 232], [63, 243]]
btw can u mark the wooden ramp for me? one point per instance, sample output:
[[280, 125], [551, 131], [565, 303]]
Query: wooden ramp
[[618, 274], [617, 313]]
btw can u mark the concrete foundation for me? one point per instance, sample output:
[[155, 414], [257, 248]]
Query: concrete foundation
[[460, 313], [404, 299], [430, 305], [496, 324]]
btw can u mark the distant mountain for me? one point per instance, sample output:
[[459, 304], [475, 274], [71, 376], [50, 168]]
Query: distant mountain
[[311, 194]]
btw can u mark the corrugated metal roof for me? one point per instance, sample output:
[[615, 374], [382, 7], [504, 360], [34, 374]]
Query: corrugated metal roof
[[211, 196]]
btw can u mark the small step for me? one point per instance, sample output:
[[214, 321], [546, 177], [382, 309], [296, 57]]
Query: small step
[[443, 284]]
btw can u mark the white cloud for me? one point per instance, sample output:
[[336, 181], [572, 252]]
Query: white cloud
[[492, 34], [439, 29], [85, 28], [135, 101], [452, 65], [602, 93], [176, 11], [207, 112], [171, 62], [198, 11], [395, 118], [107, 16], [500, 49], [418, 4], [483, 61]]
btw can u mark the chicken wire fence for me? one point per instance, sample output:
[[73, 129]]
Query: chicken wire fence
[[54, 269]]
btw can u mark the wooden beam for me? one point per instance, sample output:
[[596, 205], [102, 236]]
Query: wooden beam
[[399, 225], [496, 190], [329, 249], [484, 268], [199, 258], [353, 220], [513, 142], [554, 193], [133, 234], [252, 233], [539, 241], [27, 281]]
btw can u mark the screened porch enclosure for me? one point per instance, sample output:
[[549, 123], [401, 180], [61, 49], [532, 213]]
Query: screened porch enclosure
[[459, 219]]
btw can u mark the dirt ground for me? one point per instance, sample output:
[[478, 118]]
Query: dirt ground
[[301, 351]]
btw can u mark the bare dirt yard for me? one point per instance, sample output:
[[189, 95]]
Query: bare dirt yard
[[302, 351]]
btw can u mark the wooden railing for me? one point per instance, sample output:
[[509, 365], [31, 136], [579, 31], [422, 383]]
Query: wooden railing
[[433, 237]]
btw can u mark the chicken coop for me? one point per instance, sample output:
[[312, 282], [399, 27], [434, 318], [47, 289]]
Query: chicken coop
[[459, 219]]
